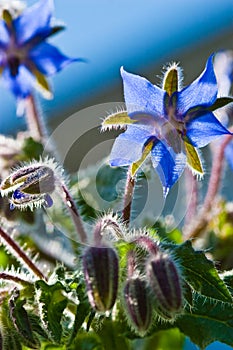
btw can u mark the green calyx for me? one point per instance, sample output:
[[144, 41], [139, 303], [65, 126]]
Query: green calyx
[[171, 80], [7, 17]]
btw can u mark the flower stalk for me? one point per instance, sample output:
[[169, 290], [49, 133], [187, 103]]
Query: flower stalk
[[74, 213], [15, 279], [201, 220], [9, 242], [148, 244], [192, 198], [128, 198], [33, 119]]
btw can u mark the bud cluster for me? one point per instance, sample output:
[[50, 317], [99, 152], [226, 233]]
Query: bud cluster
[[152, 287]]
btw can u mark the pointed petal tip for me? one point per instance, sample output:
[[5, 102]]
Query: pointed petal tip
[[122, 71], [81, 60]]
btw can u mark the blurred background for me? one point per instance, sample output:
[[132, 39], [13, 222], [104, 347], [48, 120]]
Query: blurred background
[[140, 35]]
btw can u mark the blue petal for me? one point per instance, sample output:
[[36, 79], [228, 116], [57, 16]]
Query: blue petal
[[48, 59], [202, 92], [22, 84], [141, 95], [202, 130], [34, 21], [128, 146], [168, 165], [4, 35], [48, 201], [229, 154]]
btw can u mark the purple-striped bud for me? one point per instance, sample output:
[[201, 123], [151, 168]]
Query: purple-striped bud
[[32, 184], [101, 270], [165, 282], [138, 304]]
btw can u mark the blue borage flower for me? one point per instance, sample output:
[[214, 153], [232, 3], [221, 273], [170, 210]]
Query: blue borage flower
[[25, 56], [32, 184], [165, 123]]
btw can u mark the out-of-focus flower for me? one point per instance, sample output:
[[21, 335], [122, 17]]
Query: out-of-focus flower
[[26, 58], [223, 65], [167, 123], [10, 149]]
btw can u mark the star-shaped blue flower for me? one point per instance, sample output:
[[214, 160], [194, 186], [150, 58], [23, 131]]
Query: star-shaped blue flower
[[25, 56], [166, 123]]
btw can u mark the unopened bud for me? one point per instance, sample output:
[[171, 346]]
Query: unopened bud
[[165, 282], [138, 304], [31, 185], [101, 270]]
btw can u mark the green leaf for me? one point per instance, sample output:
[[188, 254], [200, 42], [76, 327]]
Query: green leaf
[[199, 272], [82, 311], [9, 337], [227, 277], [88, 341], [32, 149], [19, 318], [220, 102], [49, 346], [193, 158], [208, 321], [164, 340], [36, 326], [52, 303], [112, 334], [159, 231]]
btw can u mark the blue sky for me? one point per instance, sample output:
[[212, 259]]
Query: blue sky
[[109, 34]]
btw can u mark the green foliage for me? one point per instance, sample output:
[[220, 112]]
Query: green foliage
[[209, 320], [20, 320], [52, 303], [208, 303], [89, 341], [56, 312], [112, 334], [166, 340], [31, 149]]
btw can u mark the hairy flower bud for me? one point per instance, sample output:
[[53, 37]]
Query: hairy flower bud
[[138, 304], [165, 282], [101, 269], [31, 185]]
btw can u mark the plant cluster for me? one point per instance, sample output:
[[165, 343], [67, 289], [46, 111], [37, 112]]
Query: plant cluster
[[73, 277]]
